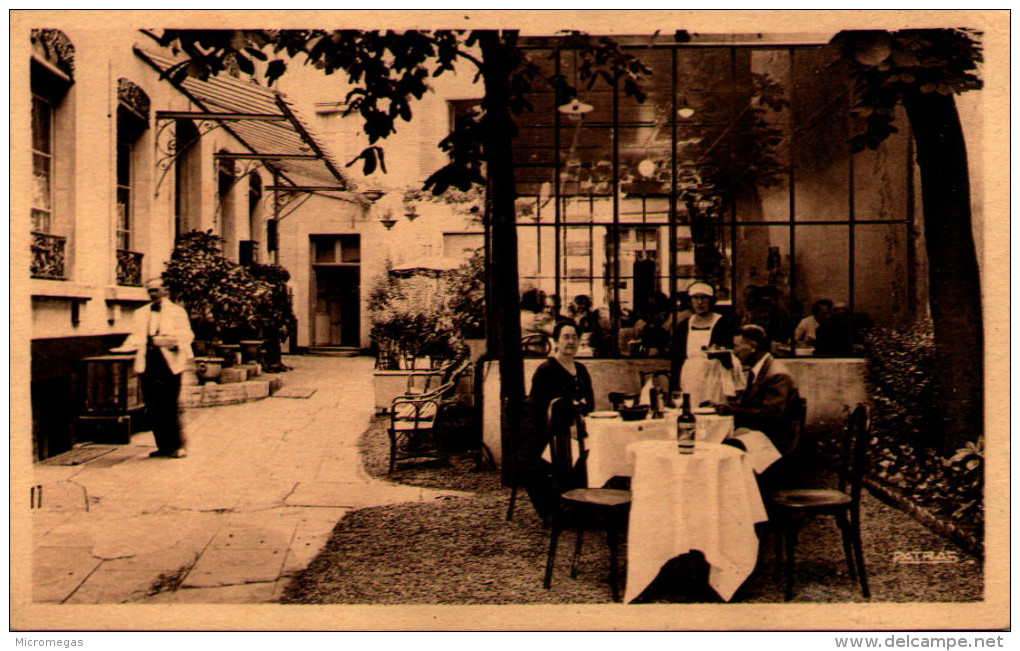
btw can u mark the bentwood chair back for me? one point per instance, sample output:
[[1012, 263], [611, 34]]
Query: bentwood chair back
[[792, 508], [581, 508]]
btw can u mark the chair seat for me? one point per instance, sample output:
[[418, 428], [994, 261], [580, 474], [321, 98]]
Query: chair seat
[[810, 498], [599, 496]]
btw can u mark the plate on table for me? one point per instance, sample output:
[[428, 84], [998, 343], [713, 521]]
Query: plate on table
[[603, 414], [704, 411]]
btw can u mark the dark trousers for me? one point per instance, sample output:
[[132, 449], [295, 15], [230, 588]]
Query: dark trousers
[[161, 390]]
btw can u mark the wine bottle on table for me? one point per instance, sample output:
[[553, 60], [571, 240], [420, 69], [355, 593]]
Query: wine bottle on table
[[685, 425]]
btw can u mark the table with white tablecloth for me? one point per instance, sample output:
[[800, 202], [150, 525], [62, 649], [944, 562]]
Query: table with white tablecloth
[[706, 501], [608, 439]]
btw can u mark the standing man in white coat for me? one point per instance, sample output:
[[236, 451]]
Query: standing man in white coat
[[161, 338]]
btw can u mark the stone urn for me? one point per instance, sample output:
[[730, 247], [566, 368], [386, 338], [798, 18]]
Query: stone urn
[[250, 350], [208, 368], [230, 353]]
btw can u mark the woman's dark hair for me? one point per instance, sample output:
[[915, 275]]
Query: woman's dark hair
[[533, 300], [558, 328], [582, 301]]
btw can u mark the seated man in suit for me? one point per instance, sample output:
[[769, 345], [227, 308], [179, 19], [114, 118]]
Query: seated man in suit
[[766, 404]]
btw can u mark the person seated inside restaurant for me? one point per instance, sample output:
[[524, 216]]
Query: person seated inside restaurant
[[766, 403], [835, 336], [536, 317], [761, 307], [557, 377], [589, 324], [651, 329], [804, 334]]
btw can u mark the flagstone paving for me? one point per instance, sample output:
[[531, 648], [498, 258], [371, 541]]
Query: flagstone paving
[[263, 486]]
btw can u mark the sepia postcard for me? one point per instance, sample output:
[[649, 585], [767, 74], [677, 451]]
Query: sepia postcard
[[358, 320]]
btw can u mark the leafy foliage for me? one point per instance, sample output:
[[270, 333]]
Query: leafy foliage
[[466, 289], [224, 299], [906, 423], [885, 65], [410, 320], [389, 70], [728, 161], [422, 316]]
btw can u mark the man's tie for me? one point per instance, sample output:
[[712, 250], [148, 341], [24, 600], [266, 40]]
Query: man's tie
[[750, 381]]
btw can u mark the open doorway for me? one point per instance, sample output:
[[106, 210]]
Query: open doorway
[[336, 309]]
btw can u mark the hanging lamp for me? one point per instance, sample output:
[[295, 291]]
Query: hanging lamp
[[575, 108]]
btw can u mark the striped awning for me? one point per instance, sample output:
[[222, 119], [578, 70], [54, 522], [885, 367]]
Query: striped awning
[[264, 121]]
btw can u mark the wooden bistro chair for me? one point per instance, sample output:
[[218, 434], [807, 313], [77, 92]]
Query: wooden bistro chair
[[793, 507], [581, 508], [414, 424], [424, 381]]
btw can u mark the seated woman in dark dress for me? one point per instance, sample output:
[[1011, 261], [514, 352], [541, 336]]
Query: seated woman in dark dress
[[557, 377]]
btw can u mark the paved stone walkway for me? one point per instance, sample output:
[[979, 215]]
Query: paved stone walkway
[[253, 503]]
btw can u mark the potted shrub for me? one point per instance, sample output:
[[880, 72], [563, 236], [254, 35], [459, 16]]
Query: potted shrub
[[229, 303], [411, 327], [466, 290]]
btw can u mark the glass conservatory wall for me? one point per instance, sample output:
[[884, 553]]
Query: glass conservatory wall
[[748, 145]]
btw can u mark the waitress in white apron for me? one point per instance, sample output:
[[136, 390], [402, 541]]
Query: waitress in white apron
[[705, 379]]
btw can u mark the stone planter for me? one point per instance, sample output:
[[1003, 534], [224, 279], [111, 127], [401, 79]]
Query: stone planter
[[208, 368], [231, 354], [251, 350], [203, 348]]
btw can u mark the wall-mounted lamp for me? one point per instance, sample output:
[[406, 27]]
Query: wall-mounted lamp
[[388, 221], [410, 211]]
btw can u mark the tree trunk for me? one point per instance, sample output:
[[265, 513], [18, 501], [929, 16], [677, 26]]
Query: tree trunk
[[498, 61], [953, 275]]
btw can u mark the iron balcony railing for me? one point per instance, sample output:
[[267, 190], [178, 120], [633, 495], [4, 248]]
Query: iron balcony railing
[[48, 256], [129, 268]]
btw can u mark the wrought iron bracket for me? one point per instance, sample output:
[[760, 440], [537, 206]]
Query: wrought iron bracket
[[168, 149], [247, 166]]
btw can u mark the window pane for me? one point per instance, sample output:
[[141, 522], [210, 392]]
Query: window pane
[[42, 120], [822, 265], [124, 164], [881, 177], [536, 255], [325, 249], [40, 221], [123, 218], [762, 277], [41, 196], [821, 156], [761, 166], [884, 281]]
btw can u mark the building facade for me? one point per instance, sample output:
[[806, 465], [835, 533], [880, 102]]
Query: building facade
[[123, 161]]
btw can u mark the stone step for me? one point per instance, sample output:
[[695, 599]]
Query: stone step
[[334, 351]]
